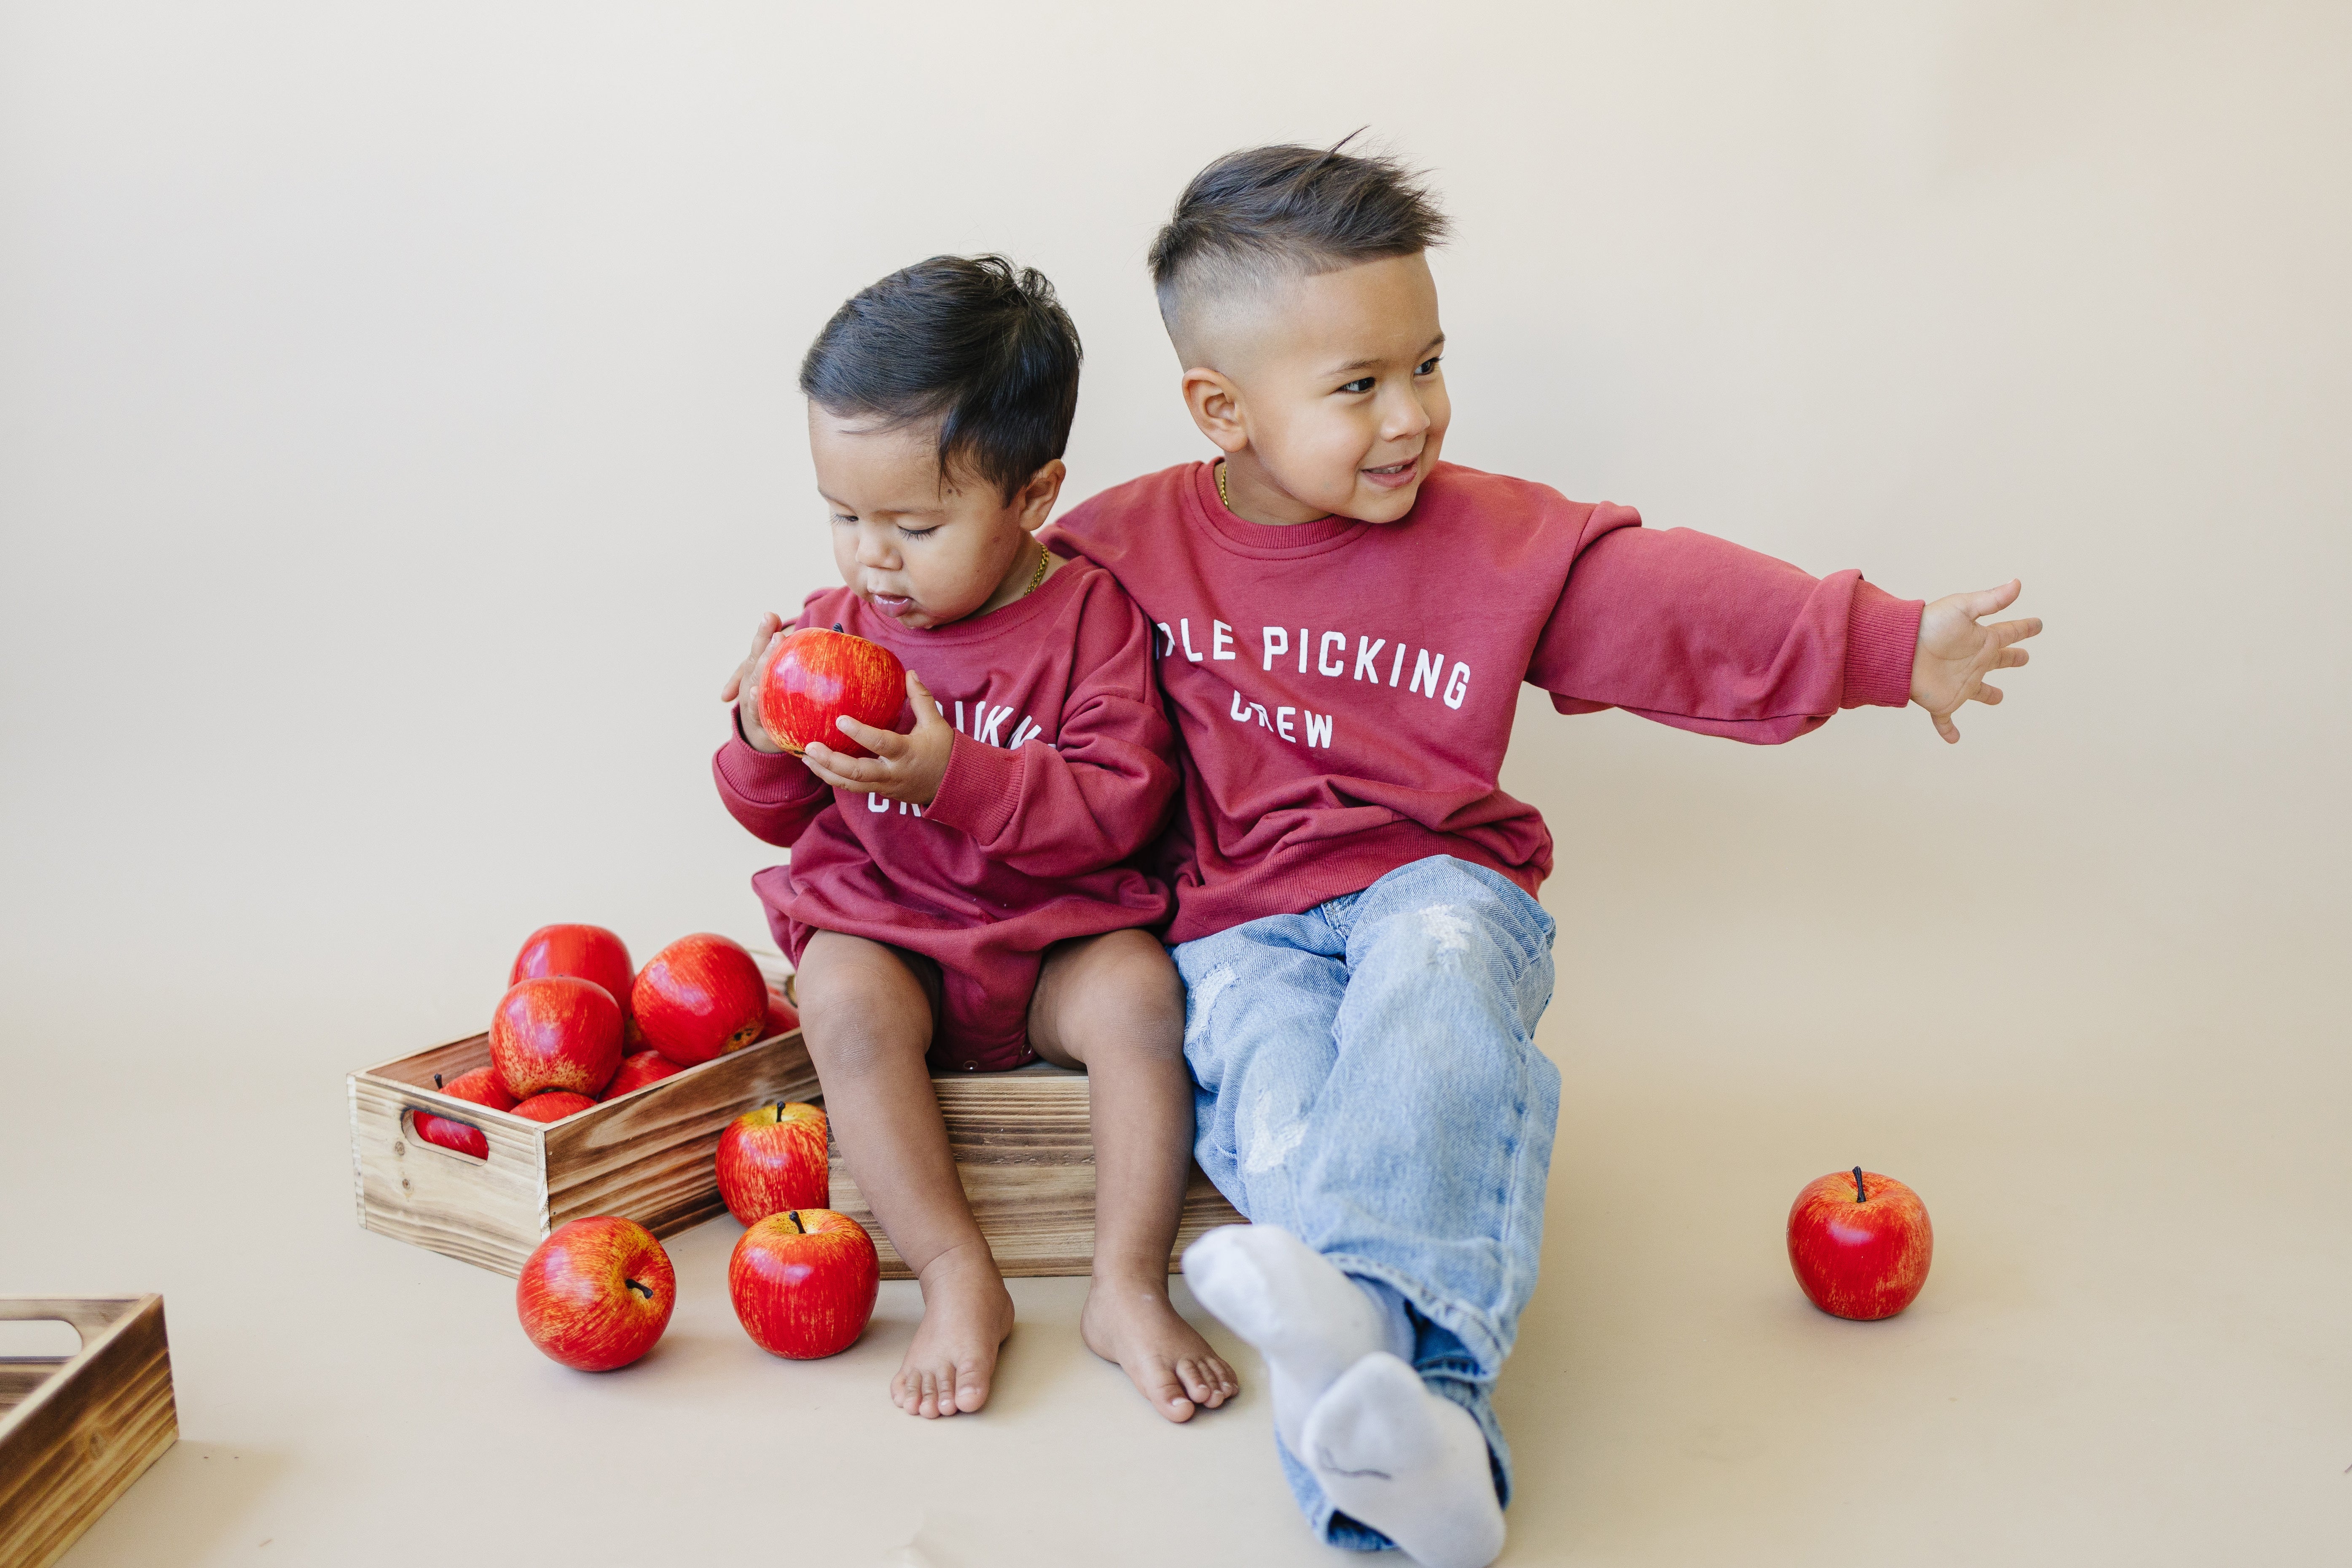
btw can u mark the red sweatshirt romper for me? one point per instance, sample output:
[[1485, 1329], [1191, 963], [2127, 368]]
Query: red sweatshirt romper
[[1064, 768]]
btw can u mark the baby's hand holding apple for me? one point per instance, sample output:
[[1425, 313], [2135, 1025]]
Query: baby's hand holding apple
[[903, 767], [742, 688]]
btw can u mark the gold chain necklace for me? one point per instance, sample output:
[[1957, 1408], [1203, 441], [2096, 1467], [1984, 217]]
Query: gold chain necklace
[[1045, 559]]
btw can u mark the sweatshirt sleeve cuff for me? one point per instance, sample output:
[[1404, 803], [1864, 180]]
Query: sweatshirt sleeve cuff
[[980, 790], [764, 778], [1881, 636]]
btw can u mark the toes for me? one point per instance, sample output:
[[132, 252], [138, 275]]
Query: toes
[[971, 1390], [1165, 1387]]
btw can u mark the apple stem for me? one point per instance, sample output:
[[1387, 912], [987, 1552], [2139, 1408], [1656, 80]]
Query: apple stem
[[1859, 1195], [795, 1217], [780, 1112], [436, 1080], [836, 626], [640, 1289]]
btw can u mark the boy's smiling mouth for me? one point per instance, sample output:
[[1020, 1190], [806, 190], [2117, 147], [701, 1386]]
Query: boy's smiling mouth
[[1393, 476]]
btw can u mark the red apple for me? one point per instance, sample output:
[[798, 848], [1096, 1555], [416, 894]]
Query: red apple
[[773, 1159], [812, 676], [554, 1105], [639, 1068], [1860, 1243], [583, 952], [598, 1293], [556, 1032], [803, 1283], [783, 1017], [480, 1087], [700, 997]]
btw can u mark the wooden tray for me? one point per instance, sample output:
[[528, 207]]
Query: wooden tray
[[651, 1155], [1023, 1148], [76, 1431]]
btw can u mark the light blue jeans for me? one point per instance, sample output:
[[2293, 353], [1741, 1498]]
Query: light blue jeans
[[1368, 1080]]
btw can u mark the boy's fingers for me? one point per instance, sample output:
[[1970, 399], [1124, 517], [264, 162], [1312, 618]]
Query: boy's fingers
[[918, 697], [881, 743], [2012, 657], [1989, 695], [851, 770], [2008, 632], [1992, 601]]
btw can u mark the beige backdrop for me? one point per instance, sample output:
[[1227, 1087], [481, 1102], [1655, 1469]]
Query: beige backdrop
[[397, 441]]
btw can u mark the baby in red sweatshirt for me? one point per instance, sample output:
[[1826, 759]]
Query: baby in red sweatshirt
[[964, 899], [1344, 625]]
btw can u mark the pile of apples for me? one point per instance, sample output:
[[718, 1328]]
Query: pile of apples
[[578, 1024], [598, 1293]]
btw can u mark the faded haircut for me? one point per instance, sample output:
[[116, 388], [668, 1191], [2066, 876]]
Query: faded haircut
[[1286, 212], [974, 342]]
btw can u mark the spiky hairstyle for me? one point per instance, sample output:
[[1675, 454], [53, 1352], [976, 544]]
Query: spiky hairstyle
[[1287, 211]]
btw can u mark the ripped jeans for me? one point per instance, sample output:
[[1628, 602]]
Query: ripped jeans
[[1367, 1079]]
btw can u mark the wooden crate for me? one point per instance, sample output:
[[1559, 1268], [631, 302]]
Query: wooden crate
[[650, 1155], [1024, 1150], [76, 1431]]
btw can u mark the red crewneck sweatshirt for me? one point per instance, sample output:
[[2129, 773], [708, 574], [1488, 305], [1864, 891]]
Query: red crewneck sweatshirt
[[1064, 767], [1345, 689]]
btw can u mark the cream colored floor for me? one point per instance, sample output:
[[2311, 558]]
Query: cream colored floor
[[397, 440], [2133, 1349]]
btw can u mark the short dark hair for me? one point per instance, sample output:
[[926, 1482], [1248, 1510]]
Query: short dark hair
[[974, 342], [1294, 209]]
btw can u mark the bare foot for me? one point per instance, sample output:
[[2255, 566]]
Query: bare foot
[[1130, 1321], [967, 1313]]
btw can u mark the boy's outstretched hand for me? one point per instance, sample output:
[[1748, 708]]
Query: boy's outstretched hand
[[1955, 652], [903, 767]]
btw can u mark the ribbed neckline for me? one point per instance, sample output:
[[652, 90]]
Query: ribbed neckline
[[1257, 539]]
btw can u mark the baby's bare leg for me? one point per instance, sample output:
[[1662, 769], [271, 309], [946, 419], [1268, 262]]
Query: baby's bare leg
[[866, 1015], [1113, 1004]]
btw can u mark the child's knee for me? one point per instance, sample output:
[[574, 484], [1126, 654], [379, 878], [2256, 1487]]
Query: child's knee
[[860, 1004], [1126, 996]]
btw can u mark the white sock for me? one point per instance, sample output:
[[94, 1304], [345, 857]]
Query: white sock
[[1410, 1463], [1308, 1321]]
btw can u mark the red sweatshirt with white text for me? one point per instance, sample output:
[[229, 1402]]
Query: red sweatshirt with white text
[[1345, 691], [1064, 767]]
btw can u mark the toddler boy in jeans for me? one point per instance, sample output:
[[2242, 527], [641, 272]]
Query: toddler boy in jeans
[[1344, 622]]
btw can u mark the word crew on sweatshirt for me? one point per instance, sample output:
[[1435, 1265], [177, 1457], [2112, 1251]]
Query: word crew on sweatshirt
[[1345, 691]]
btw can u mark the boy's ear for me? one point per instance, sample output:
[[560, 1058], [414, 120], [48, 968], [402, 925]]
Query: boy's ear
[[1037, 497], [1217, 405]]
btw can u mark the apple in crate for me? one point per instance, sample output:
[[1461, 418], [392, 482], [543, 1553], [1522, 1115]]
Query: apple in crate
[[639, 1068], [700, 997], [583, 953], [803, 1283], [596, 1293], [554, 1105], [1860, 1243], [773, 1159], [556, 1032], [480, 1087], [810, 677]]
